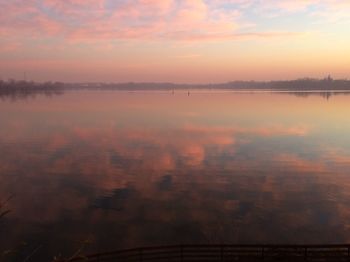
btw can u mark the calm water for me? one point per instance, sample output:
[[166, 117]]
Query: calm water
[[147, 168]]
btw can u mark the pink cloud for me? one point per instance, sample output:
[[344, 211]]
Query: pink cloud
[[92, 20], [142, 19], [76, 10], [290, 5], [154, 19], [9, 46]]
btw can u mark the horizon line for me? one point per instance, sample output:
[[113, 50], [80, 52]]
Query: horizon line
[[180, 83]]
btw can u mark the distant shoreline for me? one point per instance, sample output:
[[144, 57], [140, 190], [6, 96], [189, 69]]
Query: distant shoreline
[[18, 89], [318, 85], [206, 90]]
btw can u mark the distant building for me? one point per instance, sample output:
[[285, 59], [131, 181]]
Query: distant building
[[329, 78]]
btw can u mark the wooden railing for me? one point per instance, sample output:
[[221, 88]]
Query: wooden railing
[[182, 253]]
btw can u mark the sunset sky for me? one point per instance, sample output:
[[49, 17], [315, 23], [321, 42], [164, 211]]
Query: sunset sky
[[194, 41]]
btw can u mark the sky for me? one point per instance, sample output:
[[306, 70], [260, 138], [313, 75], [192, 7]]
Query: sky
[[182, 41]]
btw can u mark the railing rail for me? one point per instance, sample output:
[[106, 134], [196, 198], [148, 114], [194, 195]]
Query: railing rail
[[184, 253]]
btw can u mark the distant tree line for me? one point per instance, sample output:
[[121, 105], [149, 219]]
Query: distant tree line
[[327, 84], [14, 89], [292, 85]]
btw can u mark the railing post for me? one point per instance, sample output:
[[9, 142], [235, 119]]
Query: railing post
[[140, 255], [222, 253], [262, 253], [305, 255], [181, 253]]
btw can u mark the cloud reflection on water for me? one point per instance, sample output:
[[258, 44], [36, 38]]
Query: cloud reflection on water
[[128, 183]]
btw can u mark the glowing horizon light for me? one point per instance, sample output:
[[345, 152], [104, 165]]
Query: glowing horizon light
[[173, 40]]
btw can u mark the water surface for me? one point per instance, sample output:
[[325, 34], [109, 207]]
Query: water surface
[[127, 169]]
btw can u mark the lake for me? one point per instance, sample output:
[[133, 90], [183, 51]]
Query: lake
[[129, 169]]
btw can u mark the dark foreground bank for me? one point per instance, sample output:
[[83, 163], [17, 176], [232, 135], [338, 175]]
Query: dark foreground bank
[[227, 253]]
